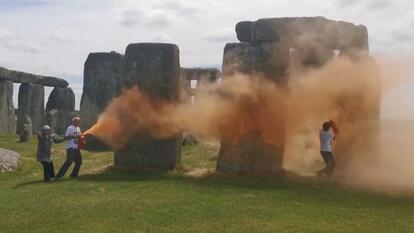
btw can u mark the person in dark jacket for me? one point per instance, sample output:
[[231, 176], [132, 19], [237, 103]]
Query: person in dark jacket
[[44, 151]]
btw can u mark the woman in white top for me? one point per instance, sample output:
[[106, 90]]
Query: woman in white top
[[326, 137]]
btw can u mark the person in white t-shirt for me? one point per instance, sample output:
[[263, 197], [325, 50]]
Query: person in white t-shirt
[[326, 137], [73, 150]]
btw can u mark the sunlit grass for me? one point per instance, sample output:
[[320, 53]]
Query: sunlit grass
[[106, 200]]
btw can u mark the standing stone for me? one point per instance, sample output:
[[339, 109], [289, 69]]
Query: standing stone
[[61, 98], [298, 31], [7, 114], [244, 31], [155, 68], [314, 57], [31, 102], [59, 120], [60, 109], [267, 59], [203, 76], [251, 154], [26, 132], [52, 120], [101, 82]]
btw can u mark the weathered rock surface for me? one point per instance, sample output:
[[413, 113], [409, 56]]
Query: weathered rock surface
[[251, 155], [306, 57], [31, 102], [22, 77], [101, 82], [26, 132], [61, 98], [155, 68], [60, 109], [268, 59], [244, 31], [7, 114], [297, 31], [9, 160], [59, 120], [202, 75]]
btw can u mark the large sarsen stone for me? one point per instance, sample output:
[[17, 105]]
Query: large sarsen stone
[[101, 82], [7, 115], [155, 69]]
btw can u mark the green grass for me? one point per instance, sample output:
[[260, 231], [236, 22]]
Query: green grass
[[106, 200]]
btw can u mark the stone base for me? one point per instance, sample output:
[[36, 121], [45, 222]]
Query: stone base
[[145, 153], [251, 155]]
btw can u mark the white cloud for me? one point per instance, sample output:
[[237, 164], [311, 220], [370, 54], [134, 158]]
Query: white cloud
[[155, 13], [365, 5], [5, 34], [223, 35], [132, 18], [9, 41], [160, 37], [62, 38]]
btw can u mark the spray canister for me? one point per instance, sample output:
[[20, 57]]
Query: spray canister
[[81, 142], [334, 126]]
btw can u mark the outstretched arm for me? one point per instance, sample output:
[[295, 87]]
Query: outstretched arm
[[334, 127], [57, 139]]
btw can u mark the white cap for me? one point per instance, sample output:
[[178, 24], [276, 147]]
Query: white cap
[[46, 127]]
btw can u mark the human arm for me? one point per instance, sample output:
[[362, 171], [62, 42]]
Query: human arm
[[57, 139]]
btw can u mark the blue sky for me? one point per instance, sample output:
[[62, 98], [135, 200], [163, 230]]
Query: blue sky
[[54, 37]]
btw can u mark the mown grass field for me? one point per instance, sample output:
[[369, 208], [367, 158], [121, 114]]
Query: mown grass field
[[185, 200]]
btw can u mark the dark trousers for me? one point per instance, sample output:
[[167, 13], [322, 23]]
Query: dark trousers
[[48, 170], [73, 155], [330, 163]]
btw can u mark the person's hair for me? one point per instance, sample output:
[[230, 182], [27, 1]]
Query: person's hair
[[326, 126], [76, 118]]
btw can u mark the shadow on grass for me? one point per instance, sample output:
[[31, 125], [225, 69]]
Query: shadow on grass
[[299, 187], [29, 183], [39, 182], [212, 180]]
